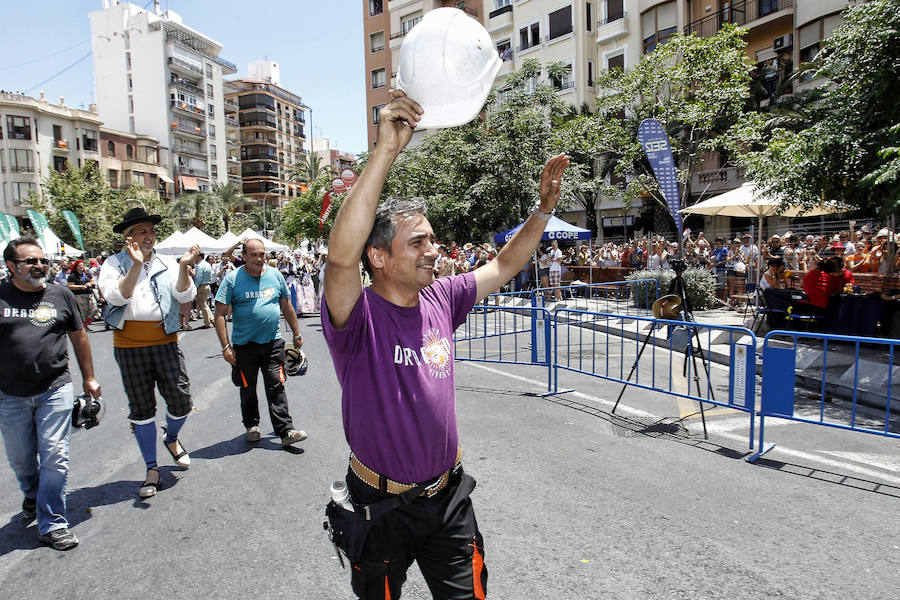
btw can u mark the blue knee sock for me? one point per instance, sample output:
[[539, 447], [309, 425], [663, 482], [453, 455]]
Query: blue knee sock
[[173, 426], [146, 439]]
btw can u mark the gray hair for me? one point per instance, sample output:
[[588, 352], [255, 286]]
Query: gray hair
[[388, 214]]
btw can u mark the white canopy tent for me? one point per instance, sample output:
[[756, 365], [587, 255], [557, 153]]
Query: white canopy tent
[[228, 239], [269, 244], [171, 244], [53, 244]]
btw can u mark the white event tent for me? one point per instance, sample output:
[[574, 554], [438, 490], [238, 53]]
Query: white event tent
[[269, 244], [53, 242]]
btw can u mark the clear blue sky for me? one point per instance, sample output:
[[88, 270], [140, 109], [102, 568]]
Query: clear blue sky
[[318, 46]]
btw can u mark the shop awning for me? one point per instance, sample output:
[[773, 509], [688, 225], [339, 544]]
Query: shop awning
[[189, 183], [166, 179]]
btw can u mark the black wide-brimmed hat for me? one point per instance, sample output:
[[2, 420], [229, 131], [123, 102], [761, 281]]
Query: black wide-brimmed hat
[[134, 216]]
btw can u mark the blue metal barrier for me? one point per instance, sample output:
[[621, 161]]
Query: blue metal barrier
[[608, 345], [782, 380], [505, 334]]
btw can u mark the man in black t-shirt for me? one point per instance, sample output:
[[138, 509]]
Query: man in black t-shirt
[[36, 396]]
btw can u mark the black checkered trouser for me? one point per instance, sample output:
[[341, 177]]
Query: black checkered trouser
[[159, 366]]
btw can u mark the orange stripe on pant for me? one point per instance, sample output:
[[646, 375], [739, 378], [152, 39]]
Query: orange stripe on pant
[[477, 567], [244, 379], [387, 589]]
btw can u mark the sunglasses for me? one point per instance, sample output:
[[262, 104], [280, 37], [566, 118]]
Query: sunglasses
[[33, 261]]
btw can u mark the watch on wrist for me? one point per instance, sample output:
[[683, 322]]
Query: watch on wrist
[[543, 216]]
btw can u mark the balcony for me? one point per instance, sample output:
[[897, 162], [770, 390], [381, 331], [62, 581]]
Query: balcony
[[231, 122], [528, 46], [230, 105], [235, 179], [21, 169], [187, 86], [189, 151], [749, 13], [194, 172], [183, 66], [61, 146], [185, 108], [189, 130], [612, 28]]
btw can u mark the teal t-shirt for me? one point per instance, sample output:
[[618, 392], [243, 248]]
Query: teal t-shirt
[[255, 304]]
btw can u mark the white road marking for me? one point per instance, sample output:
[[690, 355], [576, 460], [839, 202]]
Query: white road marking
[[780, 449]]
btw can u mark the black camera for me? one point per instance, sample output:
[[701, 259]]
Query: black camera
[[678, 265], [87, 411]]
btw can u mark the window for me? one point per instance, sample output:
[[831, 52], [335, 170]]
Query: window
[[57, 133], [588, 16], [209, 70], [110, 148], [529, 36], [212, 131], [128, 61], [560, 22], [129, 152], [376, 7], [129, 83], [212, 150], [59, 164], [498, 4], [379, 78], [209, 90], [590, 73], [21, 161], [409, 21], [214, 170], [376, 42], [211, 110], [19, 128], [615, 10], [658, 25], [89, 140], [811, 35], [113, 178], [376, 113], [615, 62], [504, 49], [564, 80], [21, 191]]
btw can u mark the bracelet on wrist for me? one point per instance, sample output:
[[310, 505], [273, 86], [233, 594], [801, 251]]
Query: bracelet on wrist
[[543, 216], [226, 346]]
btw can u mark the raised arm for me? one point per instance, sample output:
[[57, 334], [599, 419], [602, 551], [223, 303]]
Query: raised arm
[[357, 214], [520, 248]]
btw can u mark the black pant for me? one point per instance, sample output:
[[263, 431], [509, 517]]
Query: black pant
[[269, 357], [440, 533]]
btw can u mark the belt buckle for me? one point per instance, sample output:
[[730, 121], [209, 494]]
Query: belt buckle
[[437, 486]]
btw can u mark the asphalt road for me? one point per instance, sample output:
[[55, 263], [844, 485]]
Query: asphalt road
[[573, 502]]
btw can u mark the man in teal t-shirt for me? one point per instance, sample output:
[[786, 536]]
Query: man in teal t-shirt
[[258, 296]]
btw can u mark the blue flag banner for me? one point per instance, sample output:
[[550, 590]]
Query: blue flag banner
[[655, 141]]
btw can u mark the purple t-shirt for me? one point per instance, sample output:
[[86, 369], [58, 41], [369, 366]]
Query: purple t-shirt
[[395, 366]]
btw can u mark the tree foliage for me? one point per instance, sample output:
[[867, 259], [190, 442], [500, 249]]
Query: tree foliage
[[848, 150], [697, 88], [98, 208], [300, 216]]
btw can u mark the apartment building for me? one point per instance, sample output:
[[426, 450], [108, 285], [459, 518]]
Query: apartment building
[[386, 24], [128, 159], [591, 36], [37, 137], [155, 75], [332, 157], [271, 124]]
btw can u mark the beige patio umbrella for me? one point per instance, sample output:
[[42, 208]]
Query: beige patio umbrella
[[745, 201]]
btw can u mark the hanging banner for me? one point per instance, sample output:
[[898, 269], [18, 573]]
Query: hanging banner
[[655, 142], [5, 234], [40, 225], [326, 209], [13, 223], [72, 221]]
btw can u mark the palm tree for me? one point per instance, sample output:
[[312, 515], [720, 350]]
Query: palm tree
[[310, 169], [232, 200], [188, 209]]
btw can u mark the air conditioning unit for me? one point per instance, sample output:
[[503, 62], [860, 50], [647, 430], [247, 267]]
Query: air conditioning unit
[[783, 41]]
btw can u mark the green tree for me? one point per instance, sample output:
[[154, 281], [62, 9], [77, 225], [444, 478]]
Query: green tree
[[98, 208], [300, 217], [202, 210], [848, 149], [231, 201], [696, 87]]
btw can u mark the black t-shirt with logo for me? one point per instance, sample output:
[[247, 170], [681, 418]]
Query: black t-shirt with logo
[[33, 336]]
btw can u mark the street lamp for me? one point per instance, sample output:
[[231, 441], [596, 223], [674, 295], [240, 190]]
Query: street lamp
[[265, 200]]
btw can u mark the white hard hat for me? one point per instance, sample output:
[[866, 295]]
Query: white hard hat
[[447, 64]]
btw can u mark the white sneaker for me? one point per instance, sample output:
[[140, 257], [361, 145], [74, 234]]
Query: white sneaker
[[252, 434]]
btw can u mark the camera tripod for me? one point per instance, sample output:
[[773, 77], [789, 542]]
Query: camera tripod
[[687, 316]]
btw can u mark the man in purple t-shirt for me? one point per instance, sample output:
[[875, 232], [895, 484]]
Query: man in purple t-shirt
[[392, 349]]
